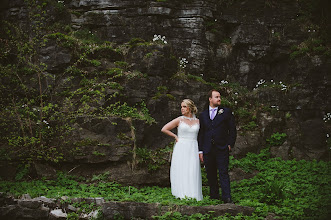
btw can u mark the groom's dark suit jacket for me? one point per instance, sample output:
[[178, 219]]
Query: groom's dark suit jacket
[[220, 132]]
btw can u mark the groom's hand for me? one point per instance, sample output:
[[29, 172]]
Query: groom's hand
[[201, 157], [229, 147]]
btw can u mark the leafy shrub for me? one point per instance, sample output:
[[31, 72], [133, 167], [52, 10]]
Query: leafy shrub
[[153, 159], [290, 189], [276, 139], [250, 126], [87, 36], [124, 110], [273, 192]]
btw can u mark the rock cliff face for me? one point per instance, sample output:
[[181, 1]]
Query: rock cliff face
[[268, 59]]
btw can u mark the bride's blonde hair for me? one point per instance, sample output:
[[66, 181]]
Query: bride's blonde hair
[[191, 105]]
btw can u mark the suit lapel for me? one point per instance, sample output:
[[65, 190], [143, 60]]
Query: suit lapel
[[218, 117], [207, 115]]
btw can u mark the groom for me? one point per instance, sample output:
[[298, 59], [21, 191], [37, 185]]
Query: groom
[[217, 135]]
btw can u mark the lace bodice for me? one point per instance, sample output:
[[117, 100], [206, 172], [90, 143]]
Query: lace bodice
[[188, 129]]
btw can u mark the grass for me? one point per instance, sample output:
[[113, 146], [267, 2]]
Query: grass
[[290, 189]]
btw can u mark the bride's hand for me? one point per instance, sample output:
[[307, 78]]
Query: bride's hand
[[201, 157], [176, 138]]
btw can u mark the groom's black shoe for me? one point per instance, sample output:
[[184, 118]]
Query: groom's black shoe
[[228, 200], [214, 198]]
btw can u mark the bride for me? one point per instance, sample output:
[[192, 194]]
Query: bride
[[185, 172]]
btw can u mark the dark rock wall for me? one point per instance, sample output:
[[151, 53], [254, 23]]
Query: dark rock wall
[[241, 41], [238, 41]]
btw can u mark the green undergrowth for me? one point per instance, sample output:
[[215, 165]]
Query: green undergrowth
[[290, 189]]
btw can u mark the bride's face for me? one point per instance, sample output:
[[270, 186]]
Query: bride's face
[[185, 109]]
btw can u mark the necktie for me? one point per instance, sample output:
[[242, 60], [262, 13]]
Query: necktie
[[213, 113]]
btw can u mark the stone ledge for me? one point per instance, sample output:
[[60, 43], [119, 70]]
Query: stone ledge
[[129, 210], [44, 208]]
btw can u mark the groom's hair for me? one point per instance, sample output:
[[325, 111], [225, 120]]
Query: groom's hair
[[210, 93]]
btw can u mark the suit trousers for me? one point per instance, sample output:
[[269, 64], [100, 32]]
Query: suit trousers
[[218, 160]]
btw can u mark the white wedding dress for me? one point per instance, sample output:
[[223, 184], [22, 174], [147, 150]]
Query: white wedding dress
[[185, 171]]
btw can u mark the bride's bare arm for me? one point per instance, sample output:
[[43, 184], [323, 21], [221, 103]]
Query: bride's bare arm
[[169, 126]]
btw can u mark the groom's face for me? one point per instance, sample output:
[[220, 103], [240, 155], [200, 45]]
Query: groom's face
[[215, 99]]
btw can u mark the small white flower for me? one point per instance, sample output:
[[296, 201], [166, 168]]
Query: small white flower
[[159, 38], [224, 82], [327, 117], [221, 111], [183, 62]]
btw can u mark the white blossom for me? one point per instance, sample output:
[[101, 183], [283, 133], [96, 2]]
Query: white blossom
[[159, 38], [275, 106], [327, 117], [183, 62], [223, 82]]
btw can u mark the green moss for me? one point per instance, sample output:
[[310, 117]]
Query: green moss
[[140, 111], [226, 40], [115, 72], [153, 159], [63, 39], [196, 78], [97, 153], [136, 41], [250, 126], [87, 36], [76, 13], [276, 139], [121, 64], [162, 92]]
